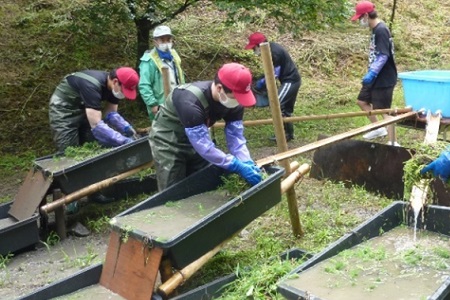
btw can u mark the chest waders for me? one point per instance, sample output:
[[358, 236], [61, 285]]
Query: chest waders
[[68, 121], [174, 156]]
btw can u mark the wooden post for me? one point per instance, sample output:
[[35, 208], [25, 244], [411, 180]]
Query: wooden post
[[166, 80], [279, 133], [60, 216]]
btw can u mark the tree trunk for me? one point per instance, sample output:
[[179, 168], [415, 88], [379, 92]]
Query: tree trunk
[[143, 27]]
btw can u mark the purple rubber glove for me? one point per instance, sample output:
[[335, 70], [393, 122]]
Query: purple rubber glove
[[108, 137], [118, 122], [440, 167], [245, 171], [277, 71], [236, 142]]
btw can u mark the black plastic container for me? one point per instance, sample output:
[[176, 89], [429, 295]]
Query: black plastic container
[[91, 276], [436, 219], [114, 162], [216, 227], [17, 235]]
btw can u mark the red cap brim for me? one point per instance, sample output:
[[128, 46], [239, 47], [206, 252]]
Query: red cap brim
[[245, 99], [250, 46], [356, 17], [129, 94]]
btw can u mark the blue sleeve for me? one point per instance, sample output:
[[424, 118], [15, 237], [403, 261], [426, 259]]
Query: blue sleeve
[[202, 143], [236, 142]]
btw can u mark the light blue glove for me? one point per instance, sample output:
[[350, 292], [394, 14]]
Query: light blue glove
[[369, 77], [260, 84], [440, 166], [245, 171], [108, 137]]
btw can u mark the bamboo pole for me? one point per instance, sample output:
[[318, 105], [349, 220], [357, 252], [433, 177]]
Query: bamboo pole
[[289, 182], [325, 117], [179, 277], [166, 80], [272, 92], [312, 146], [91, 189]]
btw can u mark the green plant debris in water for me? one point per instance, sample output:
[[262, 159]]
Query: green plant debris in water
[[424, 154], [391, 266], [167, 221], [72, 156]]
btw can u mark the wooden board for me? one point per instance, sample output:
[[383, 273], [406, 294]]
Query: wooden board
[[130, 267], [30, 195]]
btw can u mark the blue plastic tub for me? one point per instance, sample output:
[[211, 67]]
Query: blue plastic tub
[[427, 89]]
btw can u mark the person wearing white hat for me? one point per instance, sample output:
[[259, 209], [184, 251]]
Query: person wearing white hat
[[151, 85]]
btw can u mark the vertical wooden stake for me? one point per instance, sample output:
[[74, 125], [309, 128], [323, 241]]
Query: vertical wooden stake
[[272, 92], [60, 216], [166, 81]]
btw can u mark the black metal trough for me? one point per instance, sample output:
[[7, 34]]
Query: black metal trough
[[434, 219]]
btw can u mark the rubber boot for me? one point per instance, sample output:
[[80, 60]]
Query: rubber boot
[[100, 198], [289, 131]]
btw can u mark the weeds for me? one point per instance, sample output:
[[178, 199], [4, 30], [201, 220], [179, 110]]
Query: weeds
[[5, 259]]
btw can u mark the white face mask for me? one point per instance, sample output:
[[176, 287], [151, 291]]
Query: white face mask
[[119, 94], [364, 22], [228, 102], [165, 47]]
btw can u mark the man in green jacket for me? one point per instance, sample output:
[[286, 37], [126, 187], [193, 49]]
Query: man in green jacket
[[151, 85]]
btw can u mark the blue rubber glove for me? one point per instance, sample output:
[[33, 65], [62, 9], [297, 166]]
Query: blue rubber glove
[[440, 166], [369, 77], [260, 84], [245, 171], [253, 165], [129, 131], [108, 137], [277, 71]]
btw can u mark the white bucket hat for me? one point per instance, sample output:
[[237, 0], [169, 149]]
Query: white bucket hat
[[162, 30]]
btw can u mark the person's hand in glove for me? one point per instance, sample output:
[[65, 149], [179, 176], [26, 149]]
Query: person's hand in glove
[[369, 77], [261, 83], [246, 171], [440, 167], [129, 131], [252, 164]]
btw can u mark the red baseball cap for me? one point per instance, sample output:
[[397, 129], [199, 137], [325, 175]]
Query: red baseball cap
[[238, 79], [361, 8], [129, 80], [255, 39]]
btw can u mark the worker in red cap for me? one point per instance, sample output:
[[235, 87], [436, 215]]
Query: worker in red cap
[[179, 137], [287, 74], [381, 77], [76, 108]]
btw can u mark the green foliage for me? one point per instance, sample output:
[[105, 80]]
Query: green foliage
[[85, 151], [290, 16], [424, 154], [4, 260]]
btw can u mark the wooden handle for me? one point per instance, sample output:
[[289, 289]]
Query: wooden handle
[[166, 80], [92, 189]]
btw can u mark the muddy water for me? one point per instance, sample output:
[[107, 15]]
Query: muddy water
[[93, 292], [391, 266], [165, 222]]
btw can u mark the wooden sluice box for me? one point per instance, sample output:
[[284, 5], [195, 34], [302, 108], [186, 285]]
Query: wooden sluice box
[[389, 256], [177, 225], [19, 226]]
